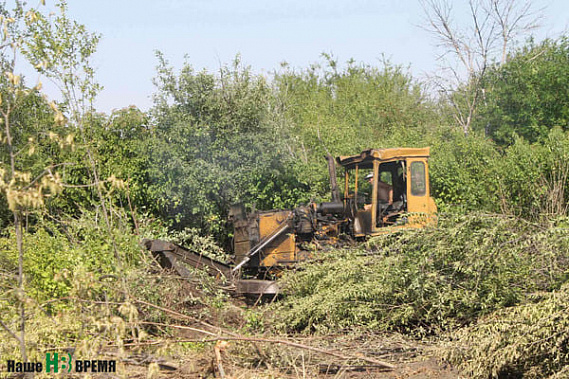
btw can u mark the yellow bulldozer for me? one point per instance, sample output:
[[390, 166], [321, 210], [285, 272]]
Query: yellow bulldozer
[[383, 190]]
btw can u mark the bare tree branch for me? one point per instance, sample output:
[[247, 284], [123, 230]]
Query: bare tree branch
[[10, 332], [494, 25]]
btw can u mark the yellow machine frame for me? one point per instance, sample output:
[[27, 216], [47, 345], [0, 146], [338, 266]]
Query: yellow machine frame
[[269, 238]]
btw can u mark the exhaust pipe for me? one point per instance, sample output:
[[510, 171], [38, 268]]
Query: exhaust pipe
[[333, 182]]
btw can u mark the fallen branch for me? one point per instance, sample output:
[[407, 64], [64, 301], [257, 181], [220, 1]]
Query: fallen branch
[[186, 317], [176, 327], [267, 340], [236, 337]]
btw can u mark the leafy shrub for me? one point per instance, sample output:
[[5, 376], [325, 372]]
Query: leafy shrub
[[215, 142], [526, 180], [463, 172], [528, 94], [423, 280], [59, 254], [526, 341]]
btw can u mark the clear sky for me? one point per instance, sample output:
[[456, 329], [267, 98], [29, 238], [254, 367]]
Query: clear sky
[[264, 32]]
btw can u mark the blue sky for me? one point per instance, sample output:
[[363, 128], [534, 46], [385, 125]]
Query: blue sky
[[265, 33]]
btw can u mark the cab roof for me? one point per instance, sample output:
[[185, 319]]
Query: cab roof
[[368, 156]]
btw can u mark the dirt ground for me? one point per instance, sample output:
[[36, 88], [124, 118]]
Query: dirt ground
[[411, 370], [423, 369], [412, 360], [248, 354]]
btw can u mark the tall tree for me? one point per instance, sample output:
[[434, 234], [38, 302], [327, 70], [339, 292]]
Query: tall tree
[[467, 49], [22, 189], [43, 40], [214, 144], [63, 48]]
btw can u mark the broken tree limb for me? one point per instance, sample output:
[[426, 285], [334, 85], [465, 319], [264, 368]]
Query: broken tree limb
[[274, 341], [182, 327], [10, 331], [185, 317], [219, 347]]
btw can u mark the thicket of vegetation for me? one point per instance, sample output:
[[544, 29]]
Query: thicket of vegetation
[[429, 280], [79, 189], [528, 340]]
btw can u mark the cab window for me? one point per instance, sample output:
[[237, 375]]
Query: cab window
[[418, 180]]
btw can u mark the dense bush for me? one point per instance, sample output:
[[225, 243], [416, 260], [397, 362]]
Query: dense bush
[[433, 278], [525, 179], [526, 341], [214, 142], [62, 252], [527, 95], [463, 172]]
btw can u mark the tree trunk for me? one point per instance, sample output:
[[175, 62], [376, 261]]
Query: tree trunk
[[20, 245]]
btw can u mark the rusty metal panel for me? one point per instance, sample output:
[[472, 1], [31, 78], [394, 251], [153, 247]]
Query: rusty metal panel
[[246, 235], [241, 233], [282, 249], [241, 249], [241, 240], [269, 222]]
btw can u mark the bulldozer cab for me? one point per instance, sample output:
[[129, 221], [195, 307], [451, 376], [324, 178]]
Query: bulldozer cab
[[387, 188]]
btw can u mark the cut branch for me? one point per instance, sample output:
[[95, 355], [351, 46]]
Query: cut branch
[[272, 341]]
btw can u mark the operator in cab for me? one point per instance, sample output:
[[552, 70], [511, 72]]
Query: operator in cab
[[384, 190]]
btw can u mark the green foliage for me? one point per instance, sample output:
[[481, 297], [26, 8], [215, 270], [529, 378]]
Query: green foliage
[[519, 175], [61, 49], [50, 46], [63, 253], [255, 320], [531, 179], [346, 110], [421, 281], [463, 172], [214, 145], [36, 139], [526, 341], [123, 141], [470, 173], [528, 95]]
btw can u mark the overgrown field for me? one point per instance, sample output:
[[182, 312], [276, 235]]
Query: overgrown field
[[489, 290], [79, 189]]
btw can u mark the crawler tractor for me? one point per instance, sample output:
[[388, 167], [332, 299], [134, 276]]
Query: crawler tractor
[[384, 189]]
